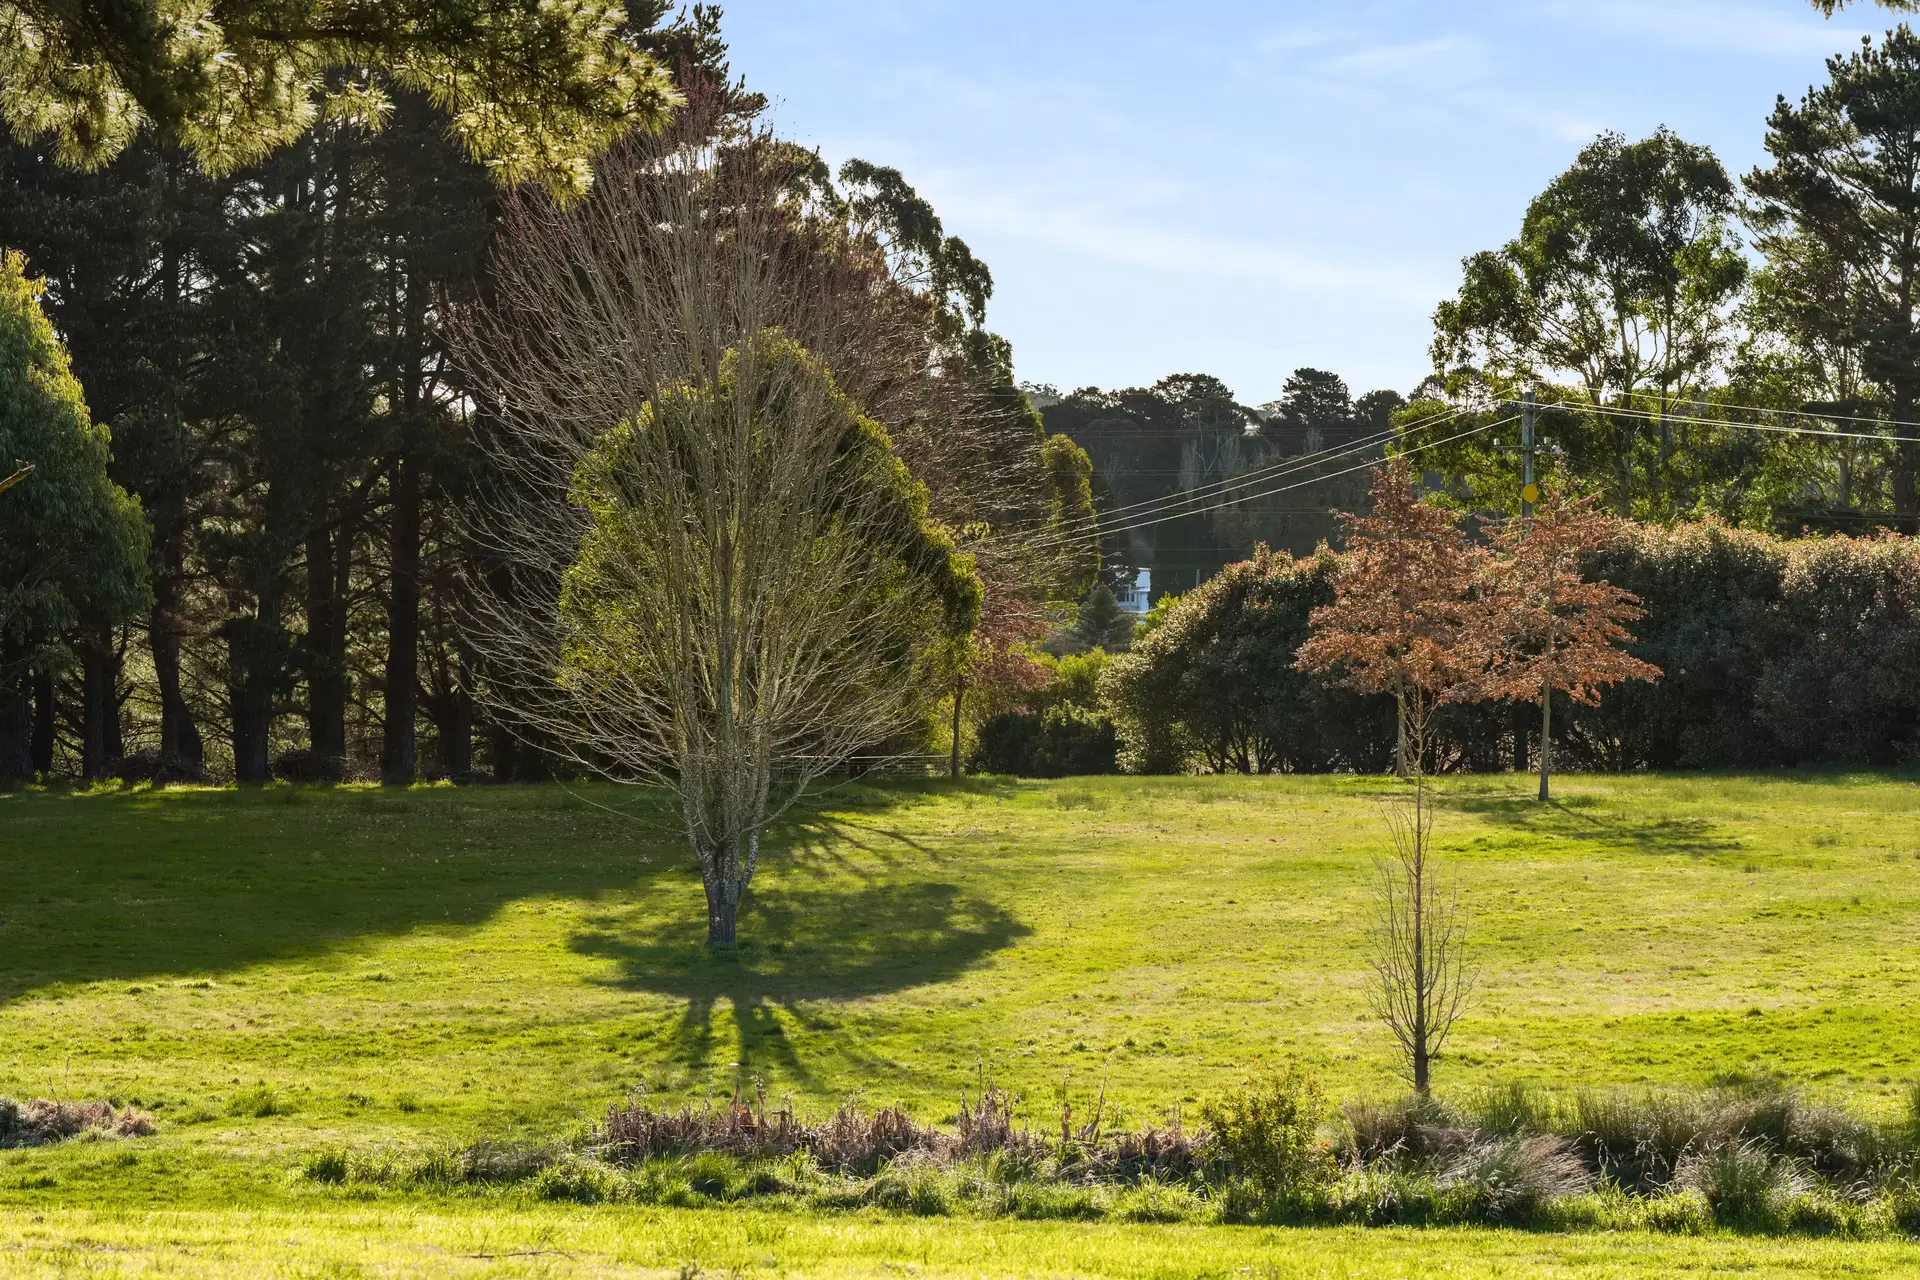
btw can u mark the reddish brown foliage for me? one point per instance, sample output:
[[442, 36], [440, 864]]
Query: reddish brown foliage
[[1401, 613], [1541, 625]]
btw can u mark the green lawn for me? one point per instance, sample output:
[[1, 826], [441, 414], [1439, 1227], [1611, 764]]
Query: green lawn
[[439, 964], [344, 1242]]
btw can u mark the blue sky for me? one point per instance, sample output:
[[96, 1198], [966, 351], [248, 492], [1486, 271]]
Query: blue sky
[[1240, 188]]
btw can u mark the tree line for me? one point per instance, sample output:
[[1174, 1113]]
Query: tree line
[[298, 452]]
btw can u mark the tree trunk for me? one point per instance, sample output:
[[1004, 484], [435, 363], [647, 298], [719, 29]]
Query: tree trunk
[[97, 701], [1400, 732], [16, 729], [180, 745], [723, 909], [456, 735], [113, 738], [326, 656], [502, 746], [1906, 483], [46, 720], [250, 697], [403, 627], [959, 696], [1546, 740], [1422, 980]]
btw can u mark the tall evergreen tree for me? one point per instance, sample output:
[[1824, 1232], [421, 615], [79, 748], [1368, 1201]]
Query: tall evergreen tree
[[1839, 213]]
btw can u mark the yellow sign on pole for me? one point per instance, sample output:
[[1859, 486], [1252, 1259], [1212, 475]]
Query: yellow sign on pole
[[1531, 493]]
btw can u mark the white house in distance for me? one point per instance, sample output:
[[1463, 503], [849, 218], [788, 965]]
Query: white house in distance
[[1137, 598]]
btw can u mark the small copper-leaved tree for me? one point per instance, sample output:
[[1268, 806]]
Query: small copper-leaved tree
[[1403, 621], [1544, 627]]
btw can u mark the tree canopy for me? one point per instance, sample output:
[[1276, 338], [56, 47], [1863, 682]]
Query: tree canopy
[[72, 543], [533, 88]]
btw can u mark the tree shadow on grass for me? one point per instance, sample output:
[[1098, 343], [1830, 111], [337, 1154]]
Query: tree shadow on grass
[[110, 887], [803, 948], [1570, 819]]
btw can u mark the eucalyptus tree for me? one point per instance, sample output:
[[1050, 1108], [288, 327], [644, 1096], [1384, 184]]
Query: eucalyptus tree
[[1622, 280]]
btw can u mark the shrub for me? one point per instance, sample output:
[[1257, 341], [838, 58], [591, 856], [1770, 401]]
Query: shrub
[[1267, 1134], [1211, 683], [1062, 742]]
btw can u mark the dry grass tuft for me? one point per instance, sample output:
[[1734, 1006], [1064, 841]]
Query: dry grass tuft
[[42, 1122]]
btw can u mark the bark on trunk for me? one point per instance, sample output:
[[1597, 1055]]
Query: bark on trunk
[[722, 913], [502, 746], [326, 657], [250, 697], [46, 719], [1906, 483], [1400, 735], [16, 764], [97, 702], [403, 627], [180, 743], [1546, 741], [456, 736], [959, 696]]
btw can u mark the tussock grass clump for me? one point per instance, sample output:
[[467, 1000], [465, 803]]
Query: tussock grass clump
[[259, 1102], [1513, 1176], [43, 1122], [1752, 1157], [856, 1141]]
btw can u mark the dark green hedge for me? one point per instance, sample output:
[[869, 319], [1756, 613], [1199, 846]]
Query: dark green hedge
[[1776, 652]]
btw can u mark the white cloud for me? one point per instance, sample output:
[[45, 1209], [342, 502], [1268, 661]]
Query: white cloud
[[1761, 28], [1175, 248]]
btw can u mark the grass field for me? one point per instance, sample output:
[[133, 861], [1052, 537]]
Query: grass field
[[339, 1242], [274, 970]]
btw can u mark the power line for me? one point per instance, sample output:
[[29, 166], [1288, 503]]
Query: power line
[[1069, 539], [1650, 416], [1285, 467]]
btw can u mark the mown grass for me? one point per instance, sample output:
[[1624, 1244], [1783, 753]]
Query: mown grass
[[277, 971], [335, 1242]]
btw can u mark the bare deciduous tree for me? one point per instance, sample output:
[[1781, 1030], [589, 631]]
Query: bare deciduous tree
[[1402, 622], [1422, 976], [705, 563]]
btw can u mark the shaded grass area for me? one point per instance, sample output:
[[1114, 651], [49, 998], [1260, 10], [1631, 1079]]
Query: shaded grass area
[[273, 971], [441, 1240]]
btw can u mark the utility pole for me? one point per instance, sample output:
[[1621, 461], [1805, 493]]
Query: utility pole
[[1529, 491], [1528, 448], [1529, 494]]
